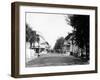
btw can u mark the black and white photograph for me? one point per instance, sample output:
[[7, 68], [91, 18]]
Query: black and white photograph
[[52, 39], [57, 39]]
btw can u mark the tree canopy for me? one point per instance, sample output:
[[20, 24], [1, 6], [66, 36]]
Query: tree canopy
[[80, 23], [81, 31], [30, 34], [59, 44]]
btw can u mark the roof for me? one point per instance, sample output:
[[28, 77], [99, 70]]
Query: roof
[[69, 35]]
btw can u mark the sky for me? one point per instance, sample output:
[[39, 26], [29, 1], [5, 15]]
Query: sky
[[50, 26]]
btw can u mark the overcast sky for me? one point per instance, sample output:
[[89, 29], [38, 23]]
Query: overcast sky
[[51, 26]]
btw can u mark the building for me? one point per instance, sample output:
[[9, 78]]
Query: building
[[69, 46]]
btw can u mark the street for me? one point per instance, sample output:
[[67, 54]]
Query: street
[[54, 59]]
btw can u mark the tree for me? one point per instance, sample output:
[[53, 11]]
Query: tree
[[59, 44], [80, 23], [28, 32], [38, 41], [30, 36]]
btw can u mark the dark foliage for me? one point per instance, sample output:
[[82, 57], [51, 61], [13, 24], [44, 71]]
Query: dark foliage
[[80, 23], [59, 44]]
